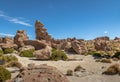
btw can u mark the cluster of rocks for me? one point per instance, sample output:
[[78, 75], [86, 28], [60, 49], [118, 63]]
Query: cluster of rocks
[[39, 73], [44, 43]]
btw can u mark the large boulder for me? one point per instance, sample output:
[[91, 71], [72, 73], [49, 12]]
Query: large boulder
[[38, 44], [40, 73], [43, 53], [79, 47], [20, 37]]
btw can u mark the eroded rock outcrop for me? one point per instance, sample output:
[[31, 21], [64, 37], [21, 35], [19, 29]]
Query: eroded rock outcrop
[[79, 47], [40, 73], [20, 37], [43, 53], [103, 44], [41, 32], [37, 44], [7, 42], [27, 47]]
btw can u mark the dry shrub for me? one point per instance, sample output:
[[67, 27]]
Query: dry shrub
[[78, 68], [115, 59], [112, 70], [105, 60], [69, 72], [14, 64]]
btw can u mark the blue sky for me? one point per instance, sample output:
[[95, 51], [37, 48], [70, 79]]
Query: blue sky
[[85, 19]]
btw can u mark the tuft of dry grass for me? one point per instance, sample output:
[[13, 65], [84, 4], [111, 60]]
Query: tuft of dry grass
[[69, 72], [112, 70], [78, 68], [105, 60]]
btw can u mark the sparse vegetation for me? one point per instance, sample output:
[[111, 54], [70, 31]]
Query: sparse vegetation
[[4, 74], [69, 72], [78, 68], [117, 55], [27, 53], [105, 60], [14, 64], [91, 52], [58, 55], [112, 70], [9, 58], [8, 50], [1, 52]]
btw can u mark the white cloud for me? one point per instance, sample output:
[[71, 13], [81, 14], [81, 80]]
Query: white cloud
[[14, 20], [4, 34]]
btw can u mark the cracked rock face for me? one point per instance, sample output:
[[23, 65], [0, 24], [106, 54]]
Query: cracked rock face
[[41, 73]]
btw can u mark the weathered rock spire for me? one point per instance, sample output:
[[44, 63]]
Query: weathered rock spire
[[41, 32]]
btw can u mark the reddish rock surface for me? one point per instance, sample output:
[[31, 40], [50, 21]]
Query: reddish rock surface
[[40, 73]]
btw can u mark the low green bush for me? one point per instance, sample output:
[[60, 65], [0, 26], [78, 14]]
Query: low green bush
[[1, 52], [58, 55], [27, 53], [10, 58], [4, 74], [8, 50], [97, 54], [91, 52]]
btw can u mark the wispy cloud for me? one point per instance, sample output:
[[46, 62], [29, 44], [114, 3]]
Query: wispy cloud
[[14, 20], [4, 34]]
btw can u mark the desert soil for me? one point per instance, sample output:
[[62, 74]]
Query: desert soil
[[93, 70]]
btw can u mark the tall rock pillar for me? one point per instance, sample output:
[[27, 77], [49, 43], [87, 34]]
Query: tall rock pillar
[[41, 32]]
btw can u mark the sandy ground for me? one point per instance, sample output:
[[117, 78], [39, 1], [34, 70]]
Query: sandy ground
[[93, 69]]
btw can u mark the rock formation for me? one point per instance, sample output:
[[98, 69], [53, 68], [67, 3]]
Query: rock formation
[[7, 42], [41, 33], [102, 43], [43, 53], [36, 43], [40, 73], [20, 37], [79, 47], [27, 47]]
